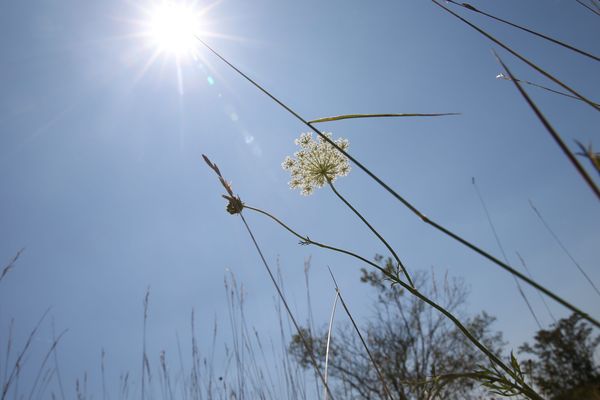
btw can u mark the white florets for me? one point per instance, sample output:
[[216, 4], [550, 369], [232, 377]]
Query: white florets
[[316, 163]]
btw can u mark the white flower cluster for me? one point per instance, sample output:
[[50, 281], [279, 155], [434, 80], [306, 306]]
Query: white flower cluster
[[316, 163]]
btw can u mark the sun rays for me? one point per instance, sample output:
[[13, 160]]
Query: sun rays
[[169, 32], [173, 28]]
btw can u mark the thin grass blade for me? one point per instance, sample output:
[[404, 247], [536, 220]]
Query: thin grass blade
[[351, 116], [504, 77], [337, 296], [360, 336], [540, 35], [501, 247]]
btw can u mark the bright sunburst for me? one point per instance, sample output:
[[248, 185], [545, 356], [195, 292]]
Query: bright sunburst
[[173, 27]]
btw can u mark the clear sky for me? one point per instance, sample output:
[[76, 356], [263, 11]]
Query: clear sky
[[103, 183]]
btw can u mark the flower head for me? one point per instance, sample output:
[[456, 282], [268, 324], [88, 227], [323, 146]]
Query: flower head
[[316, 163]]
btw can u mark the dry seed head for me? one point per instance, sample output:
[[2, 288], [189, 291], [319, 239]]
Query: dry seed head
[[235, 205]]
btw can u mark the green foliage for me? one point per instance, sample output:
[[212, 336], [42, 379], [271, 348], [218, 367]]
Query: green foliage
[[564, 360], [498, 383]]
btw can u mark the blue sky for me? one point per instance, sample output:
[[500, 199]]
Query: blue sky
[[104, 185]]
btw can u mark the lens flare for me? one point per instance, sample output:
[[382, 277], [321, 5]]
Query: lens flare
[[173, 28]]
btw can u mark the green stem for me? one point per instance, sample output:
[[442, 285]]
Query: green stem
[[307, 240], [363, 219], [492, 357]]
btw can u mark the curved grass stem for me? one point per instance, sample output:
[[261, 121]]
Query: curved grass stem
[[381, 238], [502, 76], [307, 240]]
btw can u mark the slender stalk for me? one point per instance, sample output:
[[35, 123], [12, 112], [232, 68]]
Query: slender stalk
[[540, 35], [564, 249], [310, 320], [387, 245], [8, 350], [289, 311], [553, 133], [519, 275], [519, 56], [58, 377], [14, 374], [102, 355], [144, 356], [524, 264], [401, 199], [337, 296], [43, 363], [499, 243], [396, 280], [502, 76], [362, 339], [10, 264]]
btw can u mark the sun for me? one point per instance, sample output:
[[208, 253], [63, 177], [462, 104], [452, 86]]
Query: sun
[[173, 28], [171, 33]]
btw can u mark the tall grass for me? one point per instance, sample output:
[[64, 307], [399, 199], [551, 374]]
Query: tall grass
[[252, 366]]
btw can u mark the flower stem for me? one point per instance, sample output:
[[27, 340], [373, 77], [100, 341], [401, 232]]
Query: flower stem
[[526, 389], [387, 245], [307, 240]]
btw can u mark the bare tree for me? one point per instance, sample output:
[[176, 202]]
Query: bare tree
[[420, 353]]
